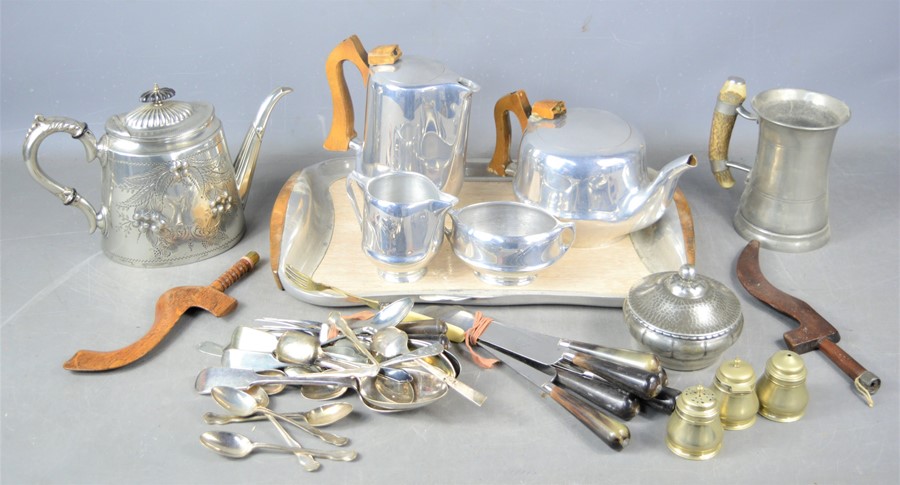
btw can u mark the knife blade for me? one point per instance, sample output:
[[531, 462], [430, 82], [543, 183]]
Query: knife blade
[[546, 351], [541, 348], [601, 393], [611, 431]]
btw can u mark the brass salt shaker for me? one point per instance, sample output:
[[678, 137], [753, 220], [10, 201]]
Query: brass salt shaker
[[782, 389], [735, 388], [694, 430]]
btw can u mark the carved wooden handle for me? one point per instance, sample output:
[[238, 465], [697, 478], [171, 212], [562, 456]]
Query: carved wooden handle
[[732, 94], [517, 103], [342, 129], [236, 271]]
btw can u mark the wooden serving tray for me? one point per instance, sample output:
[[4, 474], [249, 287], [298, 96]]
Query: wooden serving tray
[[315, 231]]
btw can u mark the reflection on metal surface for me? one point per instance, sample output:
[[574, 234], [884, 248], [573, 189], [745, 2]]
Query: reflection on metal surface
[[309, 227]]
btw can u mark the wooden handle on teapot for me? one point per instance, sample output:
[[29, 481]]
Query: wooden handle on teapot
[[516, 103], [732, 95], [342, 121]]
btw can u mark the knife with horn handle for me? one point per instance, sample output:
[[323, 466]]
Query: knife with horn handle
[[664, 402], [631, 358], [423, 327], [613, 432], [599, 392], [644, 384]]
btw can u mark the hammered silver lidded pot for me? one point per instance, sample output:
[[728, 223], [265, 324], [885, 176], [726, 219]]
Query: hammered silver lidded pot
[[170, 193], [685, 318]]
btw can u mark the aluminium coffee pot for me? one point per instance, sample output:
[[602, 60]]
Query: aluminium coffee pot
[[170, 193], [785, 200], [417, 114], [583, 164]]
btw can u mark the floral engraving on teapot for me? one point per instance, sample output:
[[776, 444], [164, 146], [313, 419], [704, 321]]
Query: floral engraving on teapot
[[180, 202]]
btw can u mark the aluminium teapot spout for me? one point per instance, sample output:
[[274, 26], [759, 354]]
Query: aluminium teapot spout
[[652, 199], [245, 162]]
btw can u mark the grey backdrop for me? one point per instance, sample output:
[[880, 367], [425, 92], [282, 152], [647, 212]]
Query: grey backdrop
[[658, 64]]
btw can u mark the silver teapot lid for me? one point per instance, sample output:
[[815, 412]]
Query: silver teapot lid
[[161, 118], [685, 305]]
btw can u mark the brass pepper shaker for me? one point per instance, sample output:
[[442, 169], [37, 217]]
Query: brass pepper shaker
[[694, 430], [782, 389], [735, 388]]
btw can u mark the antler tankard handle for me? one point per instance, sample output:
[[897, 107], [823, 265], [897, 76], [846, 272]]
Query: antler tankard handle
[[731, 96], [41, 129]]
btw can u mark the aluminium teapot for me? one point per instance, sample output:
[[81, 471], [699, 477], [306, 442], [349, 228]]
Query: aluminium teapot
[[417, 114], [170, 194], [583, 164]]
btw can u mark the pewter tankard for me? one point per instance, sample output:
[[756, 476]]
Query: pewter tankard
[[785, 200]]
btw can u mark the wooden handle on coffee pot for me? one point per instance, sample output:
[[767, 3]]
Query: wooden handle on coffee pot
[[342, 121]]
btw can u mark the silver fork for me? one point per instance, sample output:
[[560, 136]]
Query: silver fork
[[306, 283]]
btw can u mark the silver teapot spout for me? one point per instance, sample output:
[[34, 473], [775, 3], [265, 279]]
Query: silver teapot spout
[[245, 162]]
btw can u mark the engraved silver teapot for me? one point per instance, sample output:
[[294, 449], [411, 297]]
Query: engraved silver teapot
[[170, 192]]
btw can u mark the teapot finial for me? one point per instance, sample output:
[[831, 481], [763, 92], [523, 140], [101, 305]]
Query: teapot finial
[[157, 95]]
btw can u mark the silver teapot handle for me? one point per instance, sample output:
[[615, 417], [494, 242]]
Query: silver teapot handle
[[44, 127]]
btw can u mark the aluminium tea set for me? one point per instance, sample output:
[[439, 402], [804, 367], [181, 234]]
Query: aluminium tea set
[[172, 195]]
